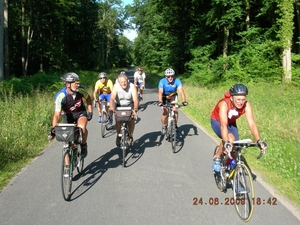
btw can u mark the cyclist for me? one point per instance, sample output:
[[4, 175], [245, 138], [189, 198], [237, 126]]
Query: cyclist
[[124, 94], [104, 87], [121, 73], [167, 92], [69, 103], [139, 80], [223, 120]]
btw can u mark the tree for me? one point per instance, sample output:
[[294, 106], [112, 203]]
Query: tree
[[1, 39], [285, 34]]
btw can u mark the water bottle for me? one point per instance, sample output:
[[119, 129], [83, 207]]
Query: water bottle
[[231, 164]]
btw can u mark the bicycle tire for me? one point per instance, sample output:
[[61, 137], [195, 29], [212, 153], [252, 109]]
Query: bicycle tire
[[220, 179], [66, 177], [123, 146], [80, 162], [173, 136], [243, 192], [103, 123]]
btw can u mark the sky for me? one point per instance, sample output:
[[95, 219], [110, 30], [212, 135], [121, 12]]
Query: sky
[[130, 34]]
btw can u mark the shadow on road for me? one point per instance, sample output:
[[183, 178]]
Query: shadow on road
[[143, 105], [95, 170], [148, 140], [184, 130]]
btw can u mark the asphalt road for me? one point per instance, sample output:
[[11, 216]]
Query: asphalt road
[[156, 186]]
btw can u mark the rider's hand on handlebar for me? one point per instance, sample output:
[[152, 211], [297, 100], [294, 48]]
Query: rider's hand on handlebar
[[135, 114], [263, 145], [227, 147], [89, 116], [51, 134], [185, 103], [159, 103]]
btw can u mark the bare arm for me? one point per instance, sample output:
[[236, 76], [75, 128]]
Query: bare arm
[[95, 94], [251, 121], [160, 94], [55, 119], [182, 94], [223, 108], [112, 98], [135, 99], [89, 104]]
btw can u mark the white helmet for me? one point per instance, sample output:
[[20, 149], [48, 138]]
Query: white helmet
[[169, 72], [102, 75], [70, 77]]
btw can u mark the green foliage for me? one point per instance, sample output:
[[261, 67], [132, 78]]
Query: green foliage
[[254, 62], [66, 35]]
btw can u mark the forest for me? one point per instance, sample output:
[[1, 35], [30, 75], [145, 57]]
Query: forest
[[206, 41]]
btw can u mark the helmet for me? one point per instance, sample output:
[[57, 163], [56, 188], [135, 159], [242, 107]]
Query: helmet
[[140, 69], [102, 75], [238, 89], [122, 73], [169, 72], [70, 77]]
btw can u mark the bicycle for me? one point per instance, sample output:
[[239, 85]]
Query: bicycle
[[170, 131], [239, 177], [124, 115], [107, 117], [71, 136]]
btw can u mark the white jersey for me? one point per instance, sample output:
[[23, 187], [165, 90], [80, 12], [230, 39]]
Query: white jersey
[[139, 77], [124, 97]]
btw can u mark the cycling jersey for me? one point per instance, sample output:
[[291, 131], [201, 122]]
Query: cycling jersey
[[139, 78], [124, 97], [105, 88], [232, 113], [69, 103], [169, 89]]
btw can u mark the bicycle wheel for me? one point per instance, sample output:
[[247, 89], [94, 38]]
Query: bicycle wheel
[[173, 136], [80, 161], [123, 146], [243, 192], [66, 176], [103, 123], [220, 177]]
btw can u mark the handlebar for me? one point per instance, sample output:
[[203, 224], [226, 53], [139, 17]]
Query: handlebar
[[246, 143], [169, 104]]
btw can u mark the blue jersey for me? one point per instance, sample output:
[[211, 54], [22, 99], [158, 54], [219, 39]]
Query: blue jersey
[[169, 89]]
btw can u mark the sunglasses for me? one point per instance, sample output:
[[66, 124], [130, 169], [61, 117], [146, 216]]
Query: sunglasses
[[103, 77], [169, 76]]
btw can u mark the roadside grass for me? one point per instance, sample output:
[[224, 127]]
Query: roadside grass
[[24, 124]]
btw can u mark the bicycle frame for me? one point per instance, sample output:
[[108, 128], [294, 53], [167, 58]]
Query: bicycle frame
[[124, 140], [240, 179], [71, 136], [171, 132]]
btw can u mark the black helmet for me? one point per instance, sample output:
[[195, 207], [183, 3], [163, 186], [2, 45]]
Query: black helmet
[[70, 77], [238, 89]]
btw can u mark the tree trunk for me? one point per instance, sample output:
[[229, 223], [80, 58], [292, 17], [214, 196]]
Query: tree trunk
[[285, 33], [297, 9], [6, 42], [1, 39], [287, 65], [225, 45], [23, 37], [247, 21]]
